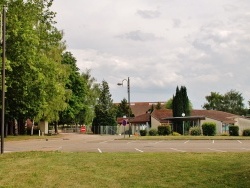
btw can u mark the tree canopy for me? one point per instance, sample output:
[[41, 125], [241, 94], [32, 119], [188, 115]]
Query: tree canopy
[[181, 103], [231, 101], [43, 81], [105, 113]]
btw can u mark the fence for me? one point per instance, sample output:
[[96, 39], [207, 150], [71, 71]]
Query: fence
[[103, 130]]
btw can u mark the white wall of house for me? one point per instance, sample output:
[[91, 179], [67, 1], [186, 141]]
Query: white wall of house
[[154, 123], [243, 124]]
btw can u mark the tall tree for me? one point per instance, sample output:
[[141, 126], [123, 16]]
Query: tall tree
[[231, 101], [181, 104], [158, 106], [35, 77], [123, 109], [169, 104], [78, 88], [214, 101], [104, 110]]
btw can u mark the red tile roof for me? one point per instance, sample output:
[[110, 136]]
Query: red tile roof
[[224, 117], [141, 118], [161, 114], [213, 114]]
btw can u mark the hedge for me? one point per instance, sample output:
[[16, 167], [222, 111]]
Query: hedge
[[164, 130], [209, 128], [233, 130]]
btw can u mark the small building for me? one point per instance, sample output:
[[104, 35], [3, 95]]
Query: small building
[[145, 120]]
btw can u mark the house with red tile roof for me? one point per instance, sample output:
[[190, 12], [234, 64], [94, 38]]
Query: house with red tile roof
[[145, 120]]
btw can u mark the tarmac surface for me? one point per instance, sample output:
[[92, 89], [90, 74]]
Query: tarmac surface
[[72, 142]]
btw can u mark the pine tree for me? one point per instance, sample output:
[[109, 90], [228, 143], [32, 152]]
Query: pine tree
[[104, 110], [181, 104]]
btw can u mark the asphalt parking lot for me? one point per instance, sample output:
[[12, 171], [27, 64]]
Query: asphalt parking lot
[[103, 144]]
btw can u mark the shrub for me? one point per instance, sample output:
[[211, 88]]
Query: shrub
[[224, 134], [209, 128], [195, 131], [233, 130], [176, 134], [143, 132], [152, 132], [164, 130], [246, 132]]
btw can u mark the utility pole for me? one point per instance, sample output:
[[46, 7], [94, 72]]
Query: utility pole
[[3, 76]]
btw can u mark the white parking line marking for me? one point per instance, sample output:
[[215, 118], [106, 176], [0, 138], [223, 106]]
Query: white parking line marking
[[245, 149], [216, 150], [158, 142], [100, 151], [239, 141], [60, 148], [130, 142], [177, 150], [186, 142], [139, 150], [103, 142]]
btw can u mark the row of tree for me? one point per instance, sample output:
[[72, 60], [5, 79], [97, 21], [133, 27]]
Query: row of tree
[[42, 78], [232, 102]]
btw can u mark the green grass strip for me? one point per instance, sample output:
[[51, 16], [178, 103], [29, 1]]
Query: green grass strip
[[58, 169]]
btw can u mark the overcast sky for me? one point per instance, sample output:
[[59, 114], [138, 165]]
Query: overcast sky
[[160, 44]]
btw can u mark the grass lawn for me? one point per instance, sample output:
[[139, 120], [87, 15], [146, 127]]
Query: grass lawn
[[28, 137], [58, 169]]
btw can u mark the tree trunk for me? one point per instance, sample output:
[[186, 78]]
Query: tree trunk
[[56, 127]]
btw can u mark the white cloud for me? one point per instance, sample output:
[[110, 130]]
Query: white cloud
[[203, 45], [149, 14]]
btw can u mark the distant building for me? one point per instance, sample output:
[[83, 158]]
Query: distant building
[[145, 120]]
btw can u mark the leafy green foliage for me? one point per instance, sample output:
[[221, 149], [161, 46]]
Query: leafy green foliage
[[209, 128], [233, 130], [169, 104], [143, 132], [231, 102], [181, 104], [35, 79], [158, 106], [78, 109], [152, 132], [164, 130], [104, 110], [246, 132], [195, 131], [123, 109]]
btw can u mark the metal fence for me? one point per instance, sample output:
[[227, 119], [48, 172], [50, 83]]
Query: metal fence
[[103, 130]]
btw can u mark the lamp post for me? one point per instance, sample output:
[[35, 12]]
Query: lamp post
[[183, 115], [128, 88]]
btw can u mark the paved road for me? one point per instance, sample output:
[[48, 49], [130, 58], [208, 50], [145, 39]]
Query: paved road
[[101, 144]]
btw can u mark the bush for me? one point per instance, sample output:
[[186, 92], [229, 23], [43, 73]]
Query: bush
[[152, 132], [233, 130], [224, 134], [176, 134], [246, 132], [143, 132], [195, 131], [164, 130], [209, 128]]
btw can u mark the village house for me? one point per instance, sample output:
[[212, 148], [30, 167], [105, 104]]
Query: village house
[[145, 120]]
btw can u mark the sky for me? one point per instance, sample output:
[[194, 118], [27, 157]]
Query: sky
[[160, 44]]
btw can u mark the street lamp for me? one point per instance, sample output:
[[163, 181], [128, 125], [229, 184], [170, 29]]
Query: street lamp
[[128, 87], [183, 115]]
